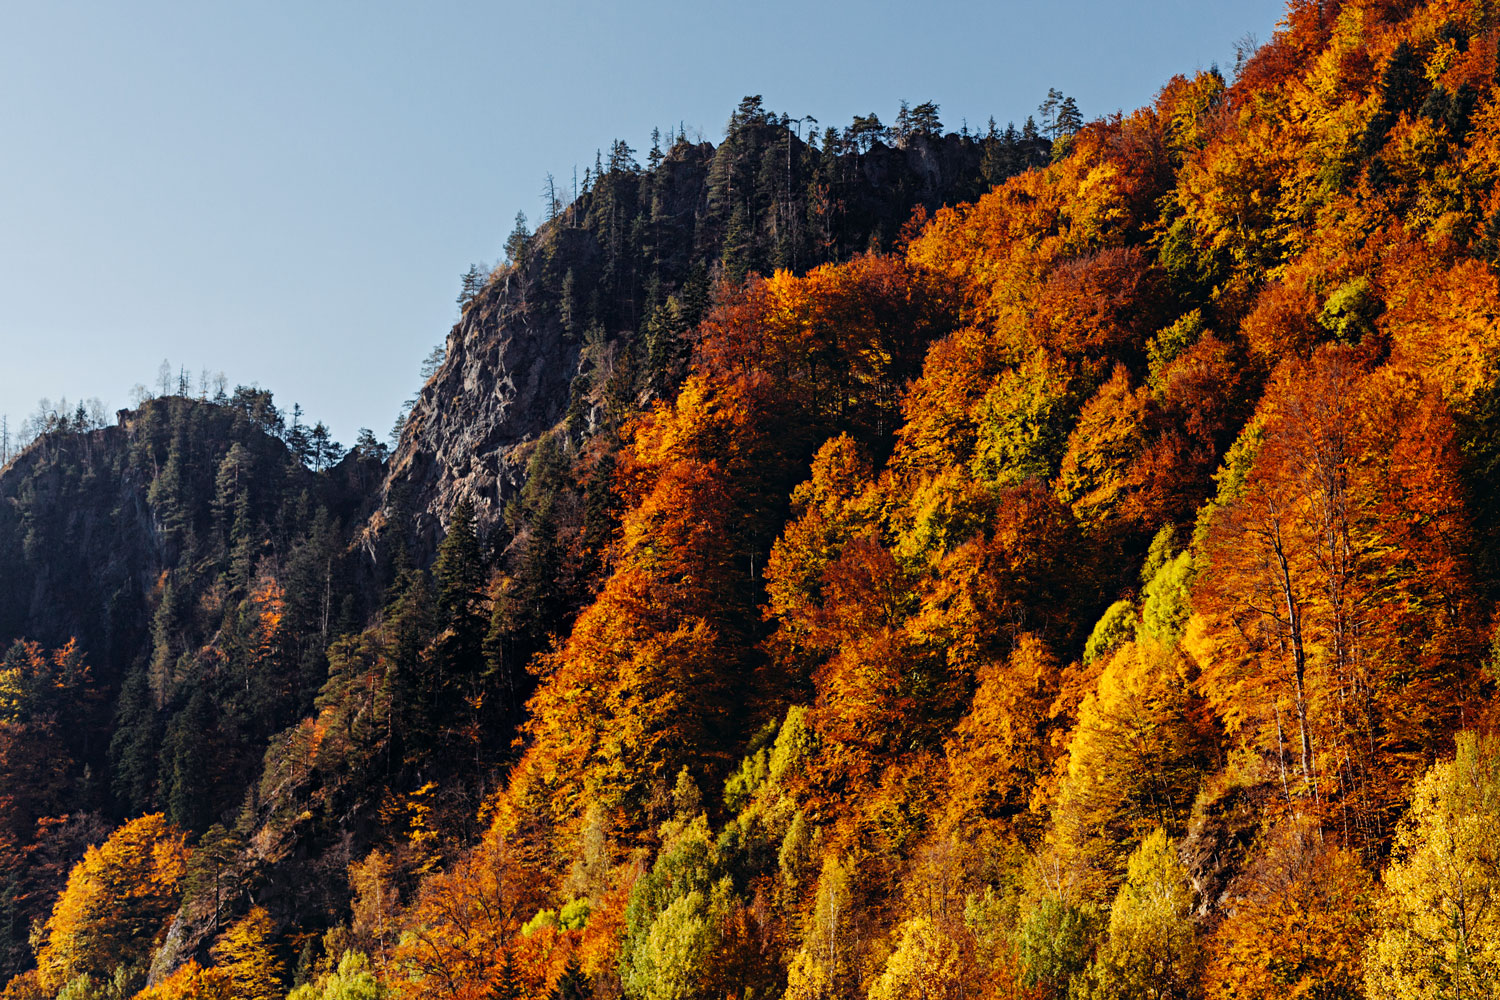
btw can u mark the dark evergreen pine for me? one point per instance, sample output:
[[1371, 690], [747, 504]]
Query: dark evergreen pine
[[655, 156], [1402, 84], [473, 283], [210, 872], [507, 984], [461, 598], [666, 348], [133, 747], [1069, 118], [167, 494], [297, 440], [412, 676], [920, 121], [518, 242], [186, 759], [313, 587], [1402, 89], [573, 984]]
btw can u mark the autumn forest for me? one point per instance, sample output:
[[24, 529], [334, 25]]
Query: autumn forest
[[1055, 561]]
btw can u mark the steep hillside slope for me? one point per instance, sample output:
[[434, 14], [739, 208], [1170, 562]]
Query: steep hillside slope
[[593, 319], [177, 591]]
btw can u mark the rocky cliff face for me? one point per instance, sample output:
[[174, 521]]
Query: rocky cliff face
[[505, 381]]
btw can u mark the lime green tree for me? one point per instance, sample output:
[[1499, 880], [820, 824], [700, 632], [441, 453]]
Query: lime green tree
[[1152, 950]]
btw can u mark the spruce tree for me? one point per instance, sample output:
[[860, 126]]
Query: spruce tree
[[573, 984], [1069, 118], [473, 283], [411, 679], [187, 753], [133, 747], [518, 242], [507, 983], [463, 613], [1402, 84], [461, 576]]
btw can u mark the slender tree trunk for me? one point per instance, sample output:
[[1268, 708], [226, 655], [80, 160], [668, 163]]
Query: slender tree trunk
[[1299, 654]]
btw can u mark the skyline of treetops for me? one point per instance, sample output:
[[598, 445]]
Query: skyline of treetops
[[1008, 147]]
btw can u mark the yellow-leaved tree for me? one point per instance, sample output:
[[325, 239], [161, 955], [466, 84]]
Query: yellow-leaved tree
[[1440, 918], [115, 906], [190, 982], [246, 961], [354, 979], [1133, 764], [929, 963]]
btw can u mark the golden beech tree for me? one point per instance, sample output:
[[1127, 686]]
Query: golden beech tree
[[1202, 399], [1139, 455], [839, 342], [1023, 568], [24, 987], [1098, 306], [929, 963], [1443, 321], [907, 647], [828, 512], [462, 932], [1134, 761], [376, 903], [1152, 950], [1022, 421], [878, 691], [615, 706], [245, 960], [116, 904], [1298, 922], [1095, 479], [998, 750], [191, 982], [941, 409], [1231, 190], [1188, 107], [869, 694], [247, 969], [1439, 920]]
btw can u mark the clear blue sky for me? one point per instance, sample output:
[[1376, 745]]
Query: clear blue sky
[[289, 191]]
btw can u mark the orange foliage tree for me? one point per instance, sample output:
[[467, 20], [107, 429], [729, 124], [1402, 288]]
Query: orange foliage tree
[[462, 936], [1338, 610], [115, 907], [1302, 912]]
